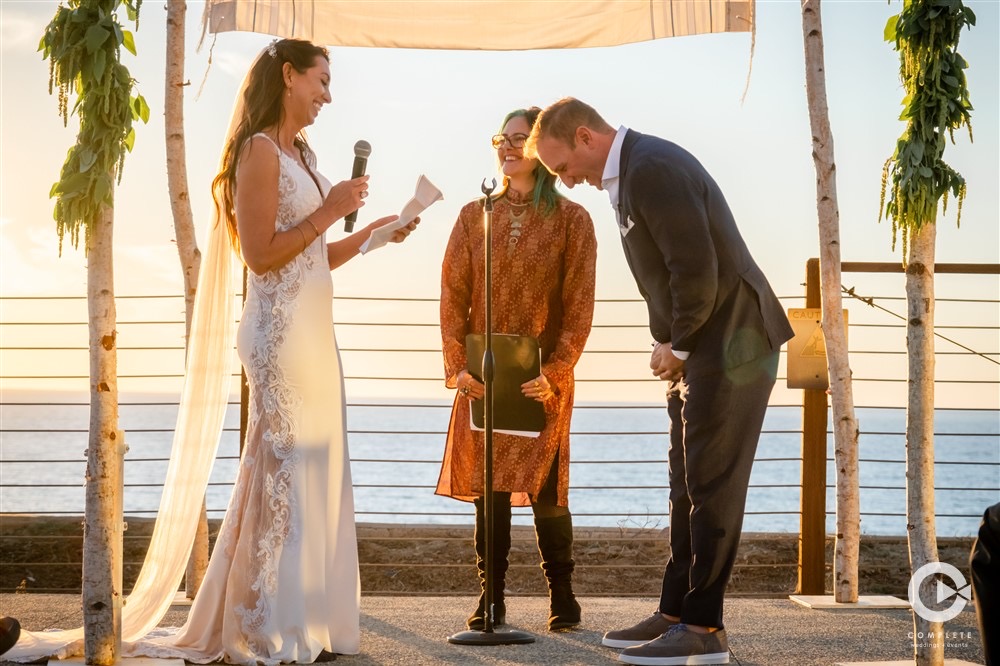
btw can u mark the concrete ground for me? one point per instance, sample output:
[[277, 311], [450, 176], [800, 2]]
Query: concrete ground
[[762, 632]]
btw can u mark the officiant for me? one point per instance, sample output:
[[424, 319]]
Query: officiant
[[544, 256]]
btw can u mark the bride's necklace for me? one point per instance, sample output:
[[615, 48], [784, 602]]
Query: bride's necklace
[[518, 211]]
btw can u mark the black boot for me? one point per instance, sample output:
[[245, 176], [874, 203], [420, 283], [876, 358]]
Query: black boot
[[555, 544], [501, 549]]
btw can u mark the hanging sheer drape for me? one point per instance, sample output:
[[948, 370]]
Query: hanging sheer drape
[[473, 24]]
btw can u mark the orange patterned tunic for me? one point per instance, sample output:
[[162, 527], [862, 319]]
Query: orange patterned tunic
[[543, 286]]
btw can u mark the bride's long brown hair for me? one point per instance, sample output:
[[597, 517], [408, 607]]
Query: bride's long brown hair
[[260, 107]]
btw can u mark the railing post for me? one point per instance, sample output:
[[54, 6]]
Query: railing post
[[812, 531]]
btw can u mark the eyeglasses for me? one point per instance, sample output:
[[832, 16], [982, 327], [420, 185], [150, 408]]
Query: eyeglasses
[[515, 140]]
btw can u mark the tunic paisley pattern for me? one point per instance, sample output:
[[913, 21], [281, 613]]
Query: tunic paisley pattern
[[543, 286]]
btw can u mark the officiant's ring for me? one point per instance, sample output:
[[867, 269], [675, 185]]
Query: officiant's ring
[[364, 193], [464, 390], [536, 384]]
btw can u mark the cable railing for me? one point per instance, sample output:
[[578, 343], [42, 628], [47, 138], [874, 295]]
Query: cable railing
[[398, 423]]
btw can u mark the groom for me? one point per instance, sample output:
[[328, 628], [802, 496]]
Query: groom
[[717, 327]]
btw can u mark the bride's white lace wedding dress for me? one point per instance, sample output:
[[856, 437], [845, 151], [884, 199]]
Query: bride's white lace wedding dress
[[282, 583]]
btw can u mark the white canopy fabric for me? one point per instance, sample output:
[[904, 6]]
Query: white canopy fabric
[[495, 25]]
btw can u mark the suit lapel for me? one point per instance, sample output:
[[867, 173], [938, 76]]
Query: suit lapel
[[624, 211]]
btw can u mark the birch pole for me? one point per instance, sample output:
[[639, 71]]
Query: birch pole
[[83, 45], [177, 183], [845, 424], [102, 532], [926, 35], [928, 642], [187, 243]]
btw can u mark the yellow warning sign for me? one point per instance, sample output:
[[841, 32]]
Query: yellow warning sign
[[815, 345], [807, 350]]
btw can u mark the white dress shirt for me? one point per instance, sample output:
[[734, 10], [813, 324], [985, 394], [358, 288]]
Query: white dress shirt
[[612, 167]]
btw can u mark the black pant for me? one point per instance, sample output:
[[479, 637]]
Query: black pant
[[715, 421], [985, 564]]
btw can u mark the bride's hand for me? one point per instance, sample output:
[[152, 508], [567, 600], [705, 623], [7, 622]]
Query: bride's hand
[[346, 197], [399, 235]]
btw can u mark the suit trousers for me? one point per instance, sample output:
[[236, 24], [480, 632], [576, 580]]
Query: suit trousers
[[984, 563], [716, 416]]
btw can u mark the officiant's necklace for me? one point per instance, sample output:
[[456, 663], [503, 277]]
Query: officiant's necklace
[[518, 211]]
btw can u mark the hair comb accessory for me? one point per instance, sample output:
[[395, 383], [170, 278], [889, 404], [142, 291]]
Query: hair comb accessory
[[272, 48]]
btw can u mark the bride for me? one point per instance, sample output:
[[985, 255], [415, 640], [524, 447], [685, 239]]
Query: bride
[[282, 584]]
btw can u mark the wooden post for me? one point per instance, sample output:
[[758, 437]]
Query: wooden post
[[244, 384], [812, 522]]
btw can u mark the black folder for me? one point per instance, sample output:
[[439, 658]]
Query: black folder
[[517, 360]]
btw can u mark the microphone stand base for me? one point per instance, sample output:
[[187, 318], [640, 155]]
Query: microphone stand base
[[471, 637]]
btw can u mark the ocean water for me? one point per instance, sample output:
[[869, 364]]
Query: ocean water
[[618, 472]]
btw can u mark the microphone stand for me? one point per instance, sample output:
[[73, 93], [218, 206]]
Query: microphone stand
[[488, 636]]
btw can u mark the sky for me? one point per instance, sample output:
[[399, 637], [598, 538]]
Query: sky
[[432, 113]]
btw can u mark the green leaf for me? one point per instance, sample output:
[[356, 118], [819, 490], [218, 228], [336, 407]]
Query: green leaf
[[74, 184], [102, 189], [926, 172], [87, 159], [128, 41], [99, 64], [130, 140], [889, 34], [140, 109], [96, 36], [143, 108]]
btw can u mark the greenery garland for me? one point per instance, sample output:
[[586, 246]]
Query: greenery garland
[[926, 36], [83, 45]]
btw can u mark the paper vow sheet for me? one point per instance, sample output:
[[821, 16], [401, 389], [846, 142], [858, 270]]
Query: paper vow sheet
[[426, 194]]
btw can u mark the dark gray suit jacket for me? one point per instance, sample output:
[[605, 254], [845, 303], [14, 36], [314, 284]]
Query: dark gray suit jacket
[[705, 293]]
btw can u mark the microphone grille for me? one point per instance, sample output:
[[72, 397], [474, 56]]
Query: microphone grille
[[362, 149]]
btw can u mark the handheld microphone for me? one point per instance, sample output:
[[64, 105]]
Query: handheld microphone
[[362, 149]]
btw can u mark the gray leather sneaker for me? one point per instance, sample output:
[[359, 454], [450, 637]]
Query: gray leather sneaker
[[650, 628], [680, 646]]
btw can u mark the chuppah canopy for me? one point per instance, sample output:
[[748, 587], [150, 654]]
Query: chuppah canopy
[[473, 24]]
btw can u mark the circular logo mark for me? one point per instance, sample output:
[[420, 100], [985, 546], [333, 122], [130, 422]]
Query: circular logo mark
[[959, 594]]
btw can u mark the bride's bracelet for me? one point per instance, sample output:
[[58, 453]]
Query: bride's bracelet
[[311, 224], [305, 241]]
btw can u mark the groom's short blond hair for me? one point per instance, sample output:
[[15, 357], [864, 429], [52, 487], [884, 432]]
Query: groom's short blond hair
[[560, 120]]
